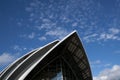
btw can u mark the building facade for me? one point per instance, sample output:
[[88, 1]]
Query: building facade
[[59, 60]]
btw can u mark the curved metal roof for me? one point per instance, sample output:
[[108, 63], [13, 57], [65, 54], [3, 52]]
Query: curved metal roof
[[70, 45]]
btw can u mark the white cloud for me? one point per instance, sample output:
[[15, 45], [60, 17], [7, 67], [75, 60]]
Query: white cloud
[[75, 24], [57, 32], [16, 47], [99, 64], [109, 74], [96, 62], [114, 30], [90, 38], [110, 34], [47, 24], [42, 38], [75, 12], [6, 58], [31, 36], [106, 65], [106, 36]]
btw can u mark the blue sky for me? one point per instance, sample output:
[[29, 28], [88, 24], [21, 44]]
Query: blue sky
[[29, 24]]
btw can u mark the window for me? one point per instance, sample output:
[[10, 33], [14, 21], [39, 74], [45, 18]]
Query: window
[[56, 70]]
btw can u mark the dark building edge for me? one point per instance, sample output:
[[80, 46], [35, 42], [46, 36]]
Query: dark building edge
[[51, 50], [85, 55], [59, 43]]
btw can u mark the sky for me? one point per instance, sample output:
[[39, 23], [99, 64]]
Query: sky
[[29, 24]]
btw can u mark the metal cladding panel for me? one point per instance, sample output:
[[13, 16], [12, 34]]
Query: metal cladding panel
[[14, 65], [72, 51], [28, 62], [74, 54]]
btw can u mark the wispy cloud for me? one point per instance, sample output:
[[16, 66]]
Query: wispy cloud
[[106, 36], [17, 47], [42, 38], [69, 15], [109, 74], [99, 64], [110, 34], [96, 62], [32, 35], [90, 38], [6, 58], [62, 14], [57, 32], [46, 24], [114, 30]]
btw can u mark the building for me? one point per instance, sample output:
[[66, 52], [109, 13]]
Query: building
[[58, 60]]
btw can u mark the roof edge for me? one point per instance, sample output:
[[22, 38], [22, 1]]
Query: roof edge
[[27, 72]]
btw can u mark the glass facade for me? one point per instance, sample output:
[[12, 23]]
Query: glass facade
[[56, 70]]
